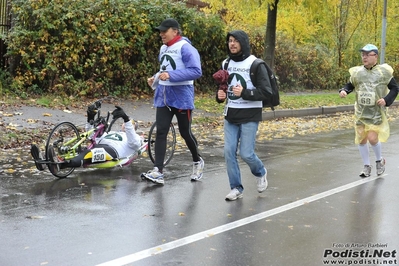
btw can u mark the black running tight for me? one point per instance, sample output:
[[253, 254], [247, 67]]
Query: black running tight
[[164, 116]]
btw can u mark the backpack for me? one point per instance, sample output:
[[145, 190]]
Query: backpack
[[275, 99]]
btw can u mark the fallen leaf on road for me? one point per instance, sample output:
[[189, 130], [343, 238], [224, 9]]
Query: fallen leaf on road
[[67, 111], [31, 121], [34, 217], [47, 114]]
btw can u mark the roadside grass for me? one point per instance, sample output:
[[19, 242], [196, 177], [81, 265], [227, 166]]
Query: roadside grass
[[44, 101], [205, 102], [287, 101], [298, 101]]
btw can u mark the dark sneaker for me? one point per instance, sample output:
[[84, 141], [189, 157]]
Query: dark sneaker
[[54, 166], [366, 171], [380, 166], [37, 156], [234, 194]]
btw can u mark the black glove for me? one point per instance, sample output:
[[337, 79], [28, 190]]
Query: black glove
[[118, 112], [91, 112]]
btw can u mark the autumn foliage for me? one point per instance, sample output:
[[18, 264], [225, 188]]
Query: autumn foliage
[[96, 48], [100, 47]]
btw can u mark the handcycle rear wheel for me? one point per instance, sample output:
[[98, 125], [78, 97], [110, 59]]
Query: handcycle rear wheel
[[58, 148], [170, 143]]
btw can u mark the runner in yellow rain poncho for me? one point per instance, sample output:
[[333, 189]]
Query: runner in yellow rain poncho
[[371, 83]]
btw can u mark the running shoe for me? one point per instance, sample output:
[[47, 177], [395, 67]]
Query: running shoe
[[234, 194], [366, 171], [154, 176], [198, 168], [380, 166], [261, 183]]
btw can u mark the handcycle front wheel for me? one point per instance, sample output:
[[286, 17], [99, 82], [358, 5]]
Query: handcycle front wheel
[[59, 148], [170, 143]]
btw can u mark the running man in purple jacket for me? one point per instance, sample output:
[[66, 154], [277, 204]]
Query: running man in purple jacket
[[180, 65]]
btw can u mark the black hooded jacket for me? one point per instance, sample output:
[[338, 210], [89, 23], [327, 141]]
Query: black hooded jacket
[[261, 92], [243, 39]]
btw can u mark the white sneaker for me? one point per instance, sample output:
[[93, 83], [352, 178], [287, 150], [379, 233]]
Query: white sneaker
[[380, 166], [198, 168], [154, 176], [234, 194], [262, 183], [366, 171]]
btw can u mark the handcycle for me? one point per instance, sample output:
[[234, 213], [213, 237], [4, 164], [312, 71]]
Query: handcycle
[[65, 142]]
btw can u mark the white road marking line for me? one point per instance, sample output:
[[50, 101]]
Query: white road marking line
[[226, 227]]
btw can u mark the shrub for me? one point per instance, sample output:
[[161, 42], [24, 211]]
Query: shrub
[[300, 68], [98, 47]]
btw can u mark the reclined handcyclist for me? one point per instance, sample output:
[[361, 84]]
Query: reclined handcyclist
[[112, 145]]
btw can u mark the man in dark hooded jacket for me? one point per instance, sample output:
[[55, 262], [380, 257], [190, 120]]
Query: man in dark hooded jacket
[[243, 112]]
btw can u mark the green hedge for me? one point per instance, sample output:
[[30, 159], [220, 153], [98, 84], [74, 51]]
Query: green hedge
[[98, 48]]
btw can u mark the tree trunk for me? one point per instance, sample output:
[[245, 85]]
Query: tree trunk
[[270, 37]]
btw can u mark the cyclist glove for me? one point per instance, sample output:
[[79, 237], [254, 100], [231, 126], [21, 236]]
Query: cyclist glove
[[91, 112], [118, 112]]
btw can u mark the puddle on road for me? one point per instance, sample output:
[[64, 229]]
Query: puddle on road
[[16, 163], [23, 186]]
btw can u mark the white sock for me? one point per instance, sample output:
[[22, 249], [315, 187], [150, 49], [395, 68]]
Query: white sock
[[377, 151], [364, 153]]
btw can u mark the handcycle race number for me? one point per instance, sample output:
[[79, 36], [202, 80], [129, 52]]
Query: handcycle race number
[[98, 155], [367, 98]]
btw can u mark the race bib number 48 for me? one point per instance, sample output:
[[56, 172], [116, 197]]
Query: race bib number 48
[[367, 98], [98, 155]]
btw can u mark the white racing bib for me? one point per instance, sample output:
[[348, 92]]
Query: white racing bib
[[98, 155], [367, 98]]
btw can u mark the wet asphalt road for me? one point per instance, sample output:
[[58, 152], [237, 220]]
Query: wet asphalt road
[[316, 210]]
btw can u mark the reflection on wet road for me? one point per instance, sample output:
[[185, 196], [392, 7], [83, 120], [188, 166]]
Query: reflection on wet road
[[316, 205]]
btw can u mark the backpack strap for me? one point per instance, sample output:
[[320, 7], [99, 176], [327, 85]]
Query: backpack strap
[[275, 99], [253, 69], [226, 63]]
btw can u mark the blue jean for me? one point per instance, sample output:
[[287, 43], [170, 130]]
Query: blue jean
[[243, 135]]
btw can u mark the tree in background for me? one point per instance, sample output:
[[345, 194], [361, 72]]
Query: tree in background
[[337, 27], [247, 15], [100, 47], [270, 36]]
